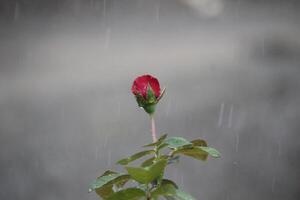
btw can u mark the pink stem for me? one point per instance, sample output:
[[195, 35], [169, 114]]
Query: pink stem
[[153, 129]]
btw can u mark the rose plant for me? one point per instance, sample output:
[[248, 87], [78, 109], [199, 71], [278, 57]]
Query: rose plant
[[148, 178]]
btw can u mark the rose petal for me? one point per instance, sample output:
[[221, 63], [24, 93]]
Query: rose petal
[[141, 83]]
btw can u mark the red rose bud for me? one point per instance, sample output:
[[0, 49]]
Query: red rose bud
[[147, 92]]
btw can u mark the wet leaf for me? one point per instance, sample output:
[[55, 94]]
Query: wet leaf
[[161, 146], [128, 194], [103, 184], [134, 157], [166, 188], [183, 195], [170, 191], [105, 191], [158, 142], [199, 142], [193, 152], [147, 174], [211, 151], [177, 142], [148, 162]]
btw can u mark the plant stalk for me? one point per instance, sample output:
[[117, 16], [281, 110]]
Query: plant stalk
[[153, 130]]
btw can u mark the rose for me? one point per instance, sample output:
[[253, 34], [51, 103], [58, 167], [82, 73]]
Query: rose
[[148, 178], [147, 91]]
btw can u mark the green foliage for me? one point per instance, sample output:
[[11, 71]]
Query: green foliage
[[159, 141], [193, 152], [149, 175], [166, 188], [199, 142], [177, 142], [211, 151], [128, 194], [147, 179], [103, 185], [134, 157], [183, 195], [148, 162], [169, 189]]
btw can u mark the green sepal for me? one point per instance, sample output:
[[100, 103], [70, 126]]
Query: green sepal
[[148, 103], [161, 94], [140, 100], [149, 108], [151, 99]]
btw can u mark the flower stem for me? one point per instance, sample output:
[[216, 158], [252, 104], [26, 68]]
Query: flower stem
[[153, 130]]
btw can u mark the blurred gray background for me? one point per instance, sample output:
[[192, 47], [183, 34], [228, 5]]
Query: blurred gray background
[[232, 73]]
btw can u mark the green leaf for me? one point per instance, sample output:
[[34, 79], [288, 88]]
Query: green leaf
[[161, 146], [147, 174], [105, 191], [148, 162], [134, 157], [199, 142], [193, 152], [95, 185], [166, 188], [183, 195], [139, 174], [170, 191], [108, 179], [128, 194], [177, 142], [103, 184], [158, 142], [211, 151], [163, 137]]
